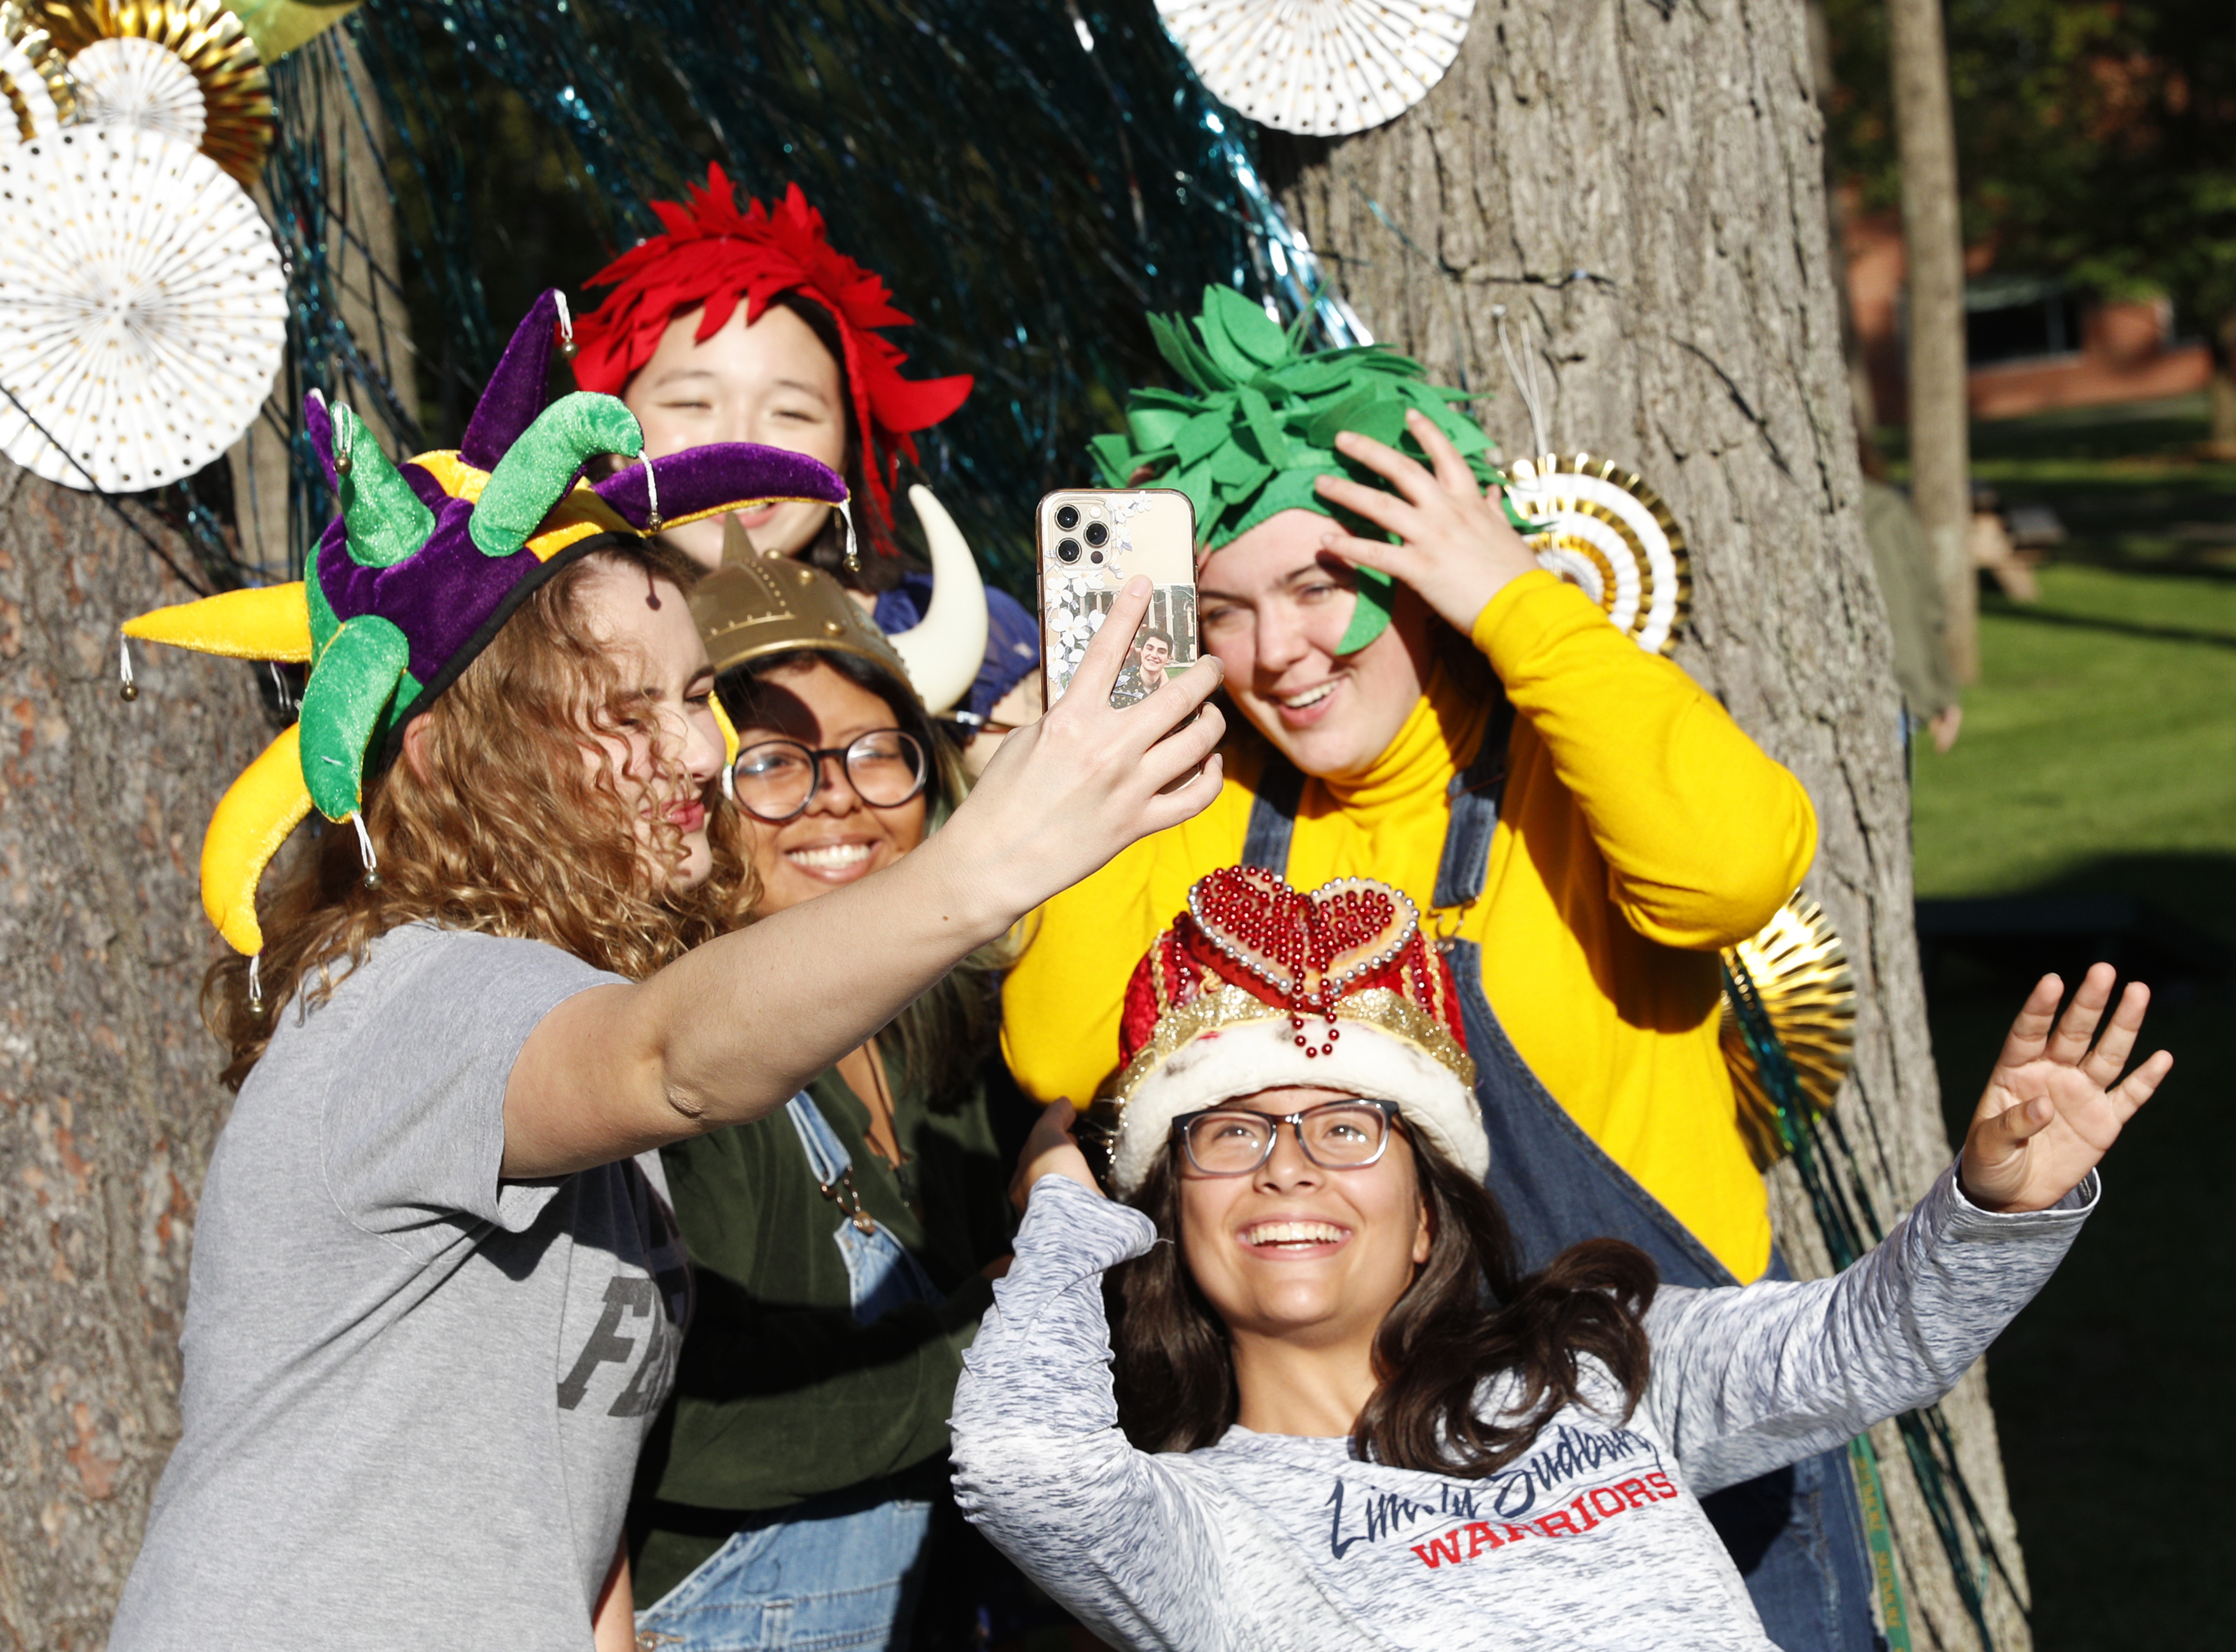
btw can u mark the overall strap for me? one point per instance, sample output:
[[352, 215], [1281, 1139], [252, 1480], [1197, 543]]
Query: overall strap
[[827, 1155], [827, 1158], [1476, 793], [1273, 815]]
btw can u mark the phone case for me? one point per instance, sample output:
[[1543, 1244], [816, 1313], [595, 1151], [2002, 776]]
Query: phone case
[[1144, 530]]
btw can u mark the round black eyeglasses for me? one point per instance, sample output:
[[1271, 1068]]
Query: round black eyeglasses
[[774, 780], [1335, 1136]]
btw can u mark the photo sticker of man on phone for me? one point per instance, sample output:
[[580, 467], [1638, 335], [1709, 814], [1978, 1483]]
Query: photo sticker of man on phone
[[1092, 541]]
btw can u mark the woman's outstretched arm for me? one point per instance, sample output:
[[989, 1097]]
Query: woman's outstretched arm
[[1040, 1464], [1747, 1380], [736, 1027]]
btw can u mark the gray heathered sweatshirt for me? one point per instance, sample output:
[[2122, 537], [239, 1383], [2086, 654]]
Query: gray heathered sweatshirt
[[1593, 1538]]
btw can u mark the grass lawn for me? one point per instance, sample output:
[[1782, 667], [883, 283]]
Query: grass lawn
[[2099, 755]]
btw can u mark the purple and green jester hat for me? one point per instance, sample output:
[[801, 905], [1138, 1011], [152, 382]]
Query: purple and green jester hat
[[1256, 426], [420, 571]]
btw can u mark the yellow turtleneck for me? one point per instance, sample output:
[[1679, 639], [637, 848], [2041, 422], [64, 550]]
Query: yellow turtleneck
[[1639, 831]]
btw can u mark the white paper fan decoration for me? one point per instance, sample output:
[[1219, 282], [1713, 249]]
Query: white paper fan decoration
[[143, 308], [1609, 533], [131, 82], [35, 88], [1323, 67]]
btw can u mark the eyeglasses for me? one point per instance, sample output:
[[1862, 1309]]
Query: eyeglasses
[[1335, 1136], [776, 779]]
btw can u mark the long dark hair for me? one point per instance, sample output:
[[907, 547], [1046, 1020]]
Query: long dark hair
[[1465, 1317], [947, 1031]]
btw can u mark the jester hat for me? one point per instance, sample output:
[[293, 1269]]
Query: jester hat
[[421, 569], [1259, 986], [1256, 427], [714, 255]]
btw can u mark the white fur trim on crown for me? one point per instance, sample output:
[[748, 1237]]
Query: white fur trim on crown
[[1238, 1061]]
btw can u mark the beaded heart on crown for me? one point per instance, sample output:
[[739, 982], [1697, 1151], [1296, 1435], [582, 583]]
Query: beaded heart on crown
[[1308, 947]]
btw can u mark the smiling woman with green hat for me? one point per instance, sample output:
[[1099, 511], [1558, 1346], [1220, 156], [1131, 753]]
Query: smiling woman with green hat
[[436, 1291], [1583, 825]]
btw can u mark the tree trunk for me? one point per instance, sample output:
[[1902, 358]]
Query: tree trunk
[[108, 1103], [362, 264], [2220, 442], [1642, 189], [1933, 256]]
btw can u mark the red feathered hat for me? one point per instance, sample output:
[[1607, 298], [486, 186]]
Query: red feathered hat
[[1257, 986], [713, 255]]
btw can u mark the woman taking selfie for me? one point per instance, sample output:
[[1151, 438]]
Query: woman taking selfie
[[839, 1247], [435, 1294], [1341, 1419]]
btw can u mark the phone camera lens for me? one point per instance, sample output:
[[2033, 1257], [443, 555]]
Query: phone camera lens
[[1094, 556], [1097, 534], [1068, 551], [1067, 517]]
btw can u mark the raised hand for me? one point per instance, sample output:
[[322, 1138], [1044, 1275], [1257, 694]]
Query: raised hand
[[1456, 548], [1051, 1150], [1064, 794], [2053, 1107]]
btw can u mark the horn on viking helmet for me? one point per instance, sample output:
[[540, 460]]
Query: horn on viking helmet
[[945, 648]]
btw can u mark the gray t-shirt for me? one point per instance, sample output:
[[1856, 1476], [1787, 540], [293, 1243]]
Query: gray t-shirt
[[414, 1394], [1594, 1537]]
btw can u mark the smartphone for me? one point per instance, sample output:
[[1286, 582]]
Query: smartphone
[[1091, 541]]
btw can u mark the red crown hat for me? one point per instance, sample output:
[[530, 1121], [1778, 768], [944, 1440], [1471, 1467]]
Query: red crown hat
[[1258, 985], [713, 255]]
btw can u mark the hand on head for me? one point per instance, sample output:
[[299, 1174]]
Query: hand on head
[[2055, 1105], [1455, 546]]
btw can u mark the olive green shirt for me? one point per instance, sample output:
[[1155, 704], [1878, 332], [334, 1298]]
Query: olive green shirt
[[780, 1395]]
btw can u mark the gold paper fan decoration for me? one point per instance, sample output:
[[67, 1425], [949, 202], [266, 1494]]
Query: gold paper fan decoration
[[237, 119], [37, 96], [1800, 968], [1609, 533]]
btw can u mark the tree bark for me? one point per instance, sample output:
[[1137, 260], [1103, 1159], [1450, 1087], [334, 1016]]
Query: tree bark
[[363, 263], [108, 1103], [1933, 257], [1641, 186], [2220, 439]]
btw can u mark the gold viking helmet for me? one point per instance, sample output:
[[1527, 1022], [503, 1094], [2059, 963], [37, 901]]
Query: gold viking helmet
[[754, 606]]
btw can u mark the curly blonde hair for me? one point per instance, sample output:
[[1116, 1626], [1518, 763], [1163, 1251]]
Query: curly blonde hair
[[498, 824]]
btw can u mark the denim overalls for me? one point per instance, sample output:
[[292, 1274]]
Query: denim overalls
[[836, 1572], [1797, 1535]]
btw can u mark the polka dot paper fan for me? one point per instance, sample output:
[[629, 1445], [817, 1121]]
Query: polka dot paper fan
[[143, 308], [131, 82], [1609, 533], [204, 38], [1322, 67]]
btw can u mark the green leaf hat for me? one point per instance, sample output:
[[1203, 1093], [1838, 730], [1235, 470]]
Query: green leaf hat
[[1257, 424]]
